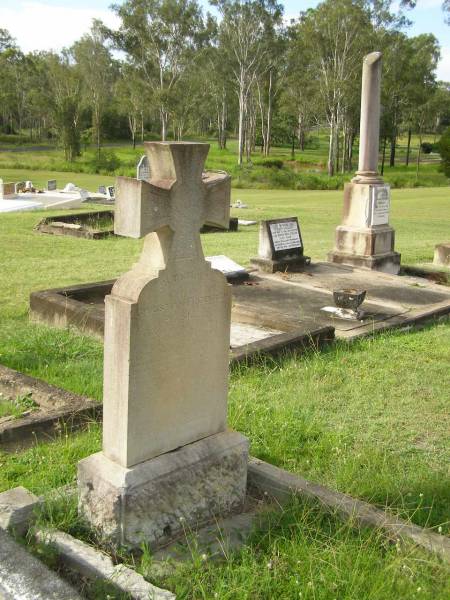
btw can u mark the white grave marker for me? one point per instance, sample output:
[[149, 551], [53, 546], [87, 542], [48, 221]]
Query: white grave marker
[[143, 169]]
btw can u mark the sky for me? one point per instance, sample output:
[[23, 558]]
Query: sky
[[54, 24]]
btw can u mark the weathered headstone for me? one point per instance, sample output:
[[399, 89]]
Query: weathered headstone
[[51, 185], [365, 239], [280, 246], [102, 189], [7, 190], [143, 169], [442, 255], [168, 460]]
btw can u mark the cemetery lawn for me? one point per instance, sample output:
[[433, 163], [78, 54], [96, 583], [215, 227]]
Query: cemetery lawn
[[370, 419], [307, 170]]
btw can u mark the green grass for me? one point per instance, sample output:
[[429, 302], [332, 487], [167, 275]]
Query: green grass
[[370, 419], [306, 171], [16, 408]]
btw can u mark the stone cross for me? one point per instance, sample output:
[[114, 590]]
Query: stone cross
[[369, 135], [167, 321]]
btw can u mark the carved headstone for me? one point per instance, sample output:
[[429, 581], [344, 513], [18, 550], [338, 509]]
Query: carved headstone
[[167, 332]]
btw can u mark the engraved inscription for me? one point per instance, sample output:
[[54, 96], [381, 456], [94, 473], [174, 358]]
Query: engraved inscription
[[381, 203], [285, 235]]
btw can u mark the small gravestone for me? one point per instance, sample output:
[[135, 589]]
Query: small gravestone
[[169, 462], [111, 192], [51, 185], [442, 255], [20, 186], [280, 246], [7, 190], [143, 169], [102, 189]]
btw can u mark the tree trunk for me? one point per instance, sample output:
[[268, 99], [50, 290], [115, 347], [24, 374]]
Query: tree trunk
[[332, 147], [163, 116], [241, 127], [384, 155], [408, 148], [419, 153], [392, 154]]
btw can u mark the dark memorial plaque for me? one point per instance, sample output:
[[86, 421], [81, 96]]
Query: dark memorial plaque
[[285, 237]]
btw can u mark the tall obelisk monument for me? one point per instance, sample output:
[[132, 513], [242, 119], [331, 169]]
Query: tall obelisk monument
[[365, 238]]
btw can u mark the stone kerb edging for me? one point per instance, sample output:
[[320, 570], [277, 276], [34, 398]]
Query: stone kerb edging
[[282, 485]]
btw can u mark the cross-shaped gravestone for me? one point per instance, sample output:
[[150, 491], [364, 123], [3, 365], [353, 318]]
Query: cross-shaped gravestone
[[167, 320], [143, 169]]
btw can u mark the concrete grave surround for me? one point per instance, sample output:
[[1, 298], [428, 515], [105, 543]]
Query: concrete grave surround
[[167, 334], [280, 246], [365, 239]]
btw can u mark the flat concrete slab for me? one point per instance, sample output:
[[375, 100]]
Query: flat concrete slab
[[34, 201], [24, 577], [280, 302]]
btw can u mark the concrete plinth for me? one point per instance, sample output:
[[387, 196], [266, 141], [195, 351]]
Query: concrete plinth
[[267, 265], [365, 239], [367, 247], [156, 500], [442, 254], [387, 263]]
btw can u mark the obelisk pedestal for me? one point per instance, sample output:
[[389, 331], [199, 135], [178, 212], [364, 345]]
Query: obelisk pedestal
[[168, 463], [365, 239]]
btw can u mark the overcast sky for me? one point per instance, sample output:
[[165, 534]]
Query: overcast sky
[[53, 24]]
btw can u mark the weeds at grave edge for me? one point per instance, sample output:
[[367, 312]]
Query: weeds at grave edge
[[302, 550]]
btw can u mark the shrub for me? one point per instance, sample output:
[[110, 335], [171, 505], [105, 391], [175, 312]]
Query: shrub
[[105, 163], [427, 147], [271, 163], [444, 151]]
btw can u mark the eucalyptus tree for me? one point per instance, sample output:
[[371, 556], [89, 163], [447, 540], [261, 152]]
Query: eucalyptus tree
[[132, 96], [161, 38], [300, 98], [64, 84], [243, 43], [339, 33], [97, 70]]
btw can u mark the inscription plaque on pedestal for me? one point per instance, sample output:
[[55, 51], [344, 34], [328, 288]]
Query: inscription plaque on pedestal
[[380, 203]]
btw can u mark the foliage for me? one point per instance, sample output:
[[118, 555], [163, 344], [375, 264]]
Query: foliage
[[444, 150]]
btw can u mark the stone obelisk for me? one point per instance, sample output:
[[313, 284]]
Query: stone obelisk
[[365, 239]]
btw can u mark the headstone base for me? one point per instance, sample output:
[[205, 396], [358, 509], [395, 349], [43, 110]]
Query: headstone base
[[293, 265], [160, 499], [442, 255], [387, 263]]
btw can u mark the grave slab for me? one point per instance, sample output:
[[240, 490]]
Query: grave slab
[[23, 577], [288, 302], [92, 225], [56, 408], [16, 508]]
